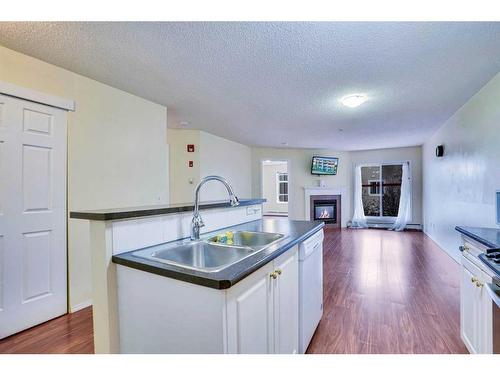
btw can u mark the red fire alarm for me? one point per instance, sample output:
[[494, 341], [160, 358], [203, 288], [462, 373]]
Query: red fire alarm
[[190, 148], [190, 164]]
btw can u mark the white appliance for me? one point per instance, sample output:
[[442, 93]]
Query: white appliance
[[310, 288], [494, 293]]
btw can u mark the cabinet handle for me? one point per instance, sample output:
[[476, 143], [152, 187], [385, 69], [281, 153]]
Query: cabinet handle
[[463, 248], [274, 275], [479, 284], [473, 279], [278, 271]]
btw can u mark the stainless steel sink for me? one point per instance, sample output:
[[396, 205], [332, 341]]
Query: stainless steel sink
[[202, 255], [254, 240], [209, 255]]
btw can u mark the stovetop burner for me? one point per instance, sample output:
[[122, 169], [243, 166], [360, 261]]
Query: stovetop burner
[[492, 259]]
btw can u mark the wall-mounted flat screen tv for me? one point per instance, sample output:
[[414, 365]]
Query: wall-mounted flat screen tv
[[324, 165]]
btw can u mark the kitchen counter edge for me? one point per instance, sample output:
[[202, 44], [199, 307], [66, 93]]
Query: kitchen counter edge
[[204, 279], [136, 212]]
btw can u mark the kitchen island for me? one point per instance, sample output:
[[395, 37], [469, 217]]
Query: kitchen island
[[251, 306], [142, 305]]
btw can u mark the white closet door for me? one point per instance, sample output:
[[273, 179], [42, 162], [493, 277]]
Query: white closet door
[[33, 278]]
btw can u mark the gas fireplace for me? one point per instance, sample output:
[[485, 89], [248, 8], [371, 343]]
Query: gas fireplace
[[326, 208]]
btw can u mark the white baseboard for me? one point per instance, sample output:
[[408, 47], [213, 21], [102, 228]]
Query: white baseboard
[[453, 256], [80, 306]]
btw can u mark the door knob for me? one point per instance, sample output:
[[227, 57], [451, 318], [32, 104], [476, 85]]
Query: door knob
[[274, 275], [278, 271], [473, 279]]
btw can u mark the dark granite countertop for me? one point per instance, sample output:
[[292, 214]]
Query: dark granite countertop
[[132, 212], [294, 231], [489, 237]]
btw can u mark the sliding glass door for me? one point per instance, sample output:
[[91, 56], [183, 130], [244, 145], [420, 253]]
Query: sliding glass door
[[381, 190]]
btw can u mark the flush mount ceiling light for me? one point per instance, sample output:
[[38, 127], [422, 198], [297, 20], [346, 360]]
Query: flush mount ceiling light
[[353, 101]]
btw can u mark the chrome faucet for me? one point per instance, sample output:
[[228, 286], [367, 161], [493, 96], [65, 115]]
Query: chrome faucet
[[197, 221]]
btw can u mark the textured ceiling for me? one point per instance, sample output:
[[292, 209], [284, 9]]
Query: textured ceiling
[[269, 83]]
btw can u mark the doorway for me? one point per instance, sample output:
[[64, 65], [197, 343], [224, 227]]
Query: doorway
[[275, 187]]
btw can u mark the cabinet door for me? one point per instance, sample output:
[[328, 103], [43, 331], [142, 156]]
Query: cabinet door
[[468, 311], [250, 327], [484, 317], [286, 303], [475, 309]]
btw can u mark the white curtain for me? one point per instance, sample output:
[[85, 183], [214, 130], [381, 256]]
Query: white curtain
[[359, 218], [404, 201]]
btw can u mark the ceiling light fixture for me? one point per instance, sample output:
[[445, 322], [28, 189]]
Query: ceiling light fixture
[[353, 101]]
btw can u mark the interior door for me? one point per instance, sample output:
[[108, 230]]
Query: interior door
[[286, 303], [33, 281]]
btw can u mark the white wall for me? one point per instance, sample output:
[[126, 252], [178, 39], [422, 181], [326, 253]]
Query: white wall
[[270, 189], [183, 179], [459, 189], [213, 156], [232, 160], [413, 154], [116, 151], [299, 175]]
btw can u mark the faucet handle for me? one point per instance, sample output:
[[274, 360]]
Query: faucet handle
[[233, 200], [198, 221]]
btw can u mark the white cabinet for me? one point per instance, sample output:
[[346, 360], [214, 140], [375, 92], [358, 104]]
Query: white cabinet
[[475, 309], [262, 309], [469, 316], [286, 303], [259, 314], [250, 320]]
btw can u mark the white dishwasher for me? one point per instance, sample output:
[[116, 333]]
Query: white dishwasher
[[310, 287]]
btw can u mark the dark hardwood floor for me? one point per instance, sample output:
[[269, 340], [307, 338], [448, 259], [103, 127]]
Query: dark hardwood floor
[[388, 292], [384, 292], [71, 334]]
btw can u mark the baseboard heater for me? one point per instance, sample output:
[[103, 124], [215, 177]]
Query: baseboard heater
[[411, 226]]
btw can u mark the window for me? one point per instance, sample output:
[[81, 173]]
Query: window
[[381, 189], [373, 187], [282, 187]]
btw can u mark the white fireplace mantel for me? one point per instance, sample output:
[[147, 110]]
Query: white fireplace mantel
[[315, 190]]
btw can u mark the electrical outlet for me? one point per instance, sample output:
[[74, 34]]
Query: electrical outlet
[[252, 211]]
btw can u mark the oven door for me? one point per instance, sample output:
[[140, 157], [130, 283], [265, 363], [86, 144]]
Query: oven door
[[494, 293]]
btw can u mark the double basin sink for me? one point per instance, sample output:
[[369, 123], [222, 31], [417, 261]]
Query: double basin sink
[[210, 255]]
